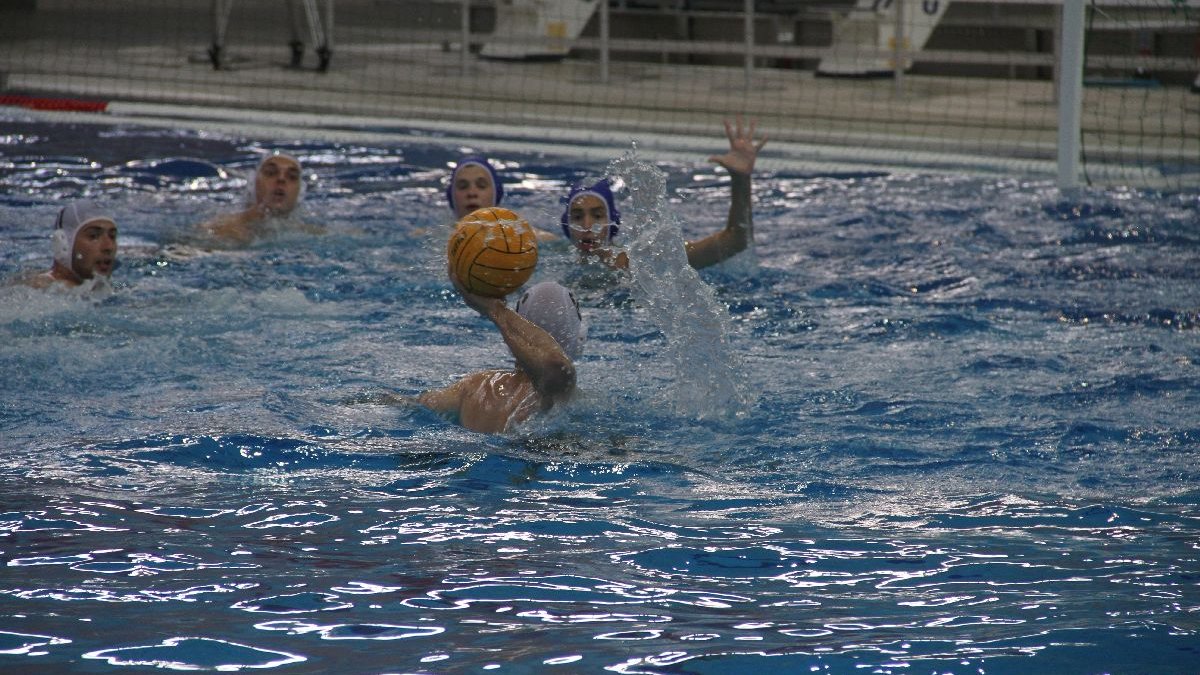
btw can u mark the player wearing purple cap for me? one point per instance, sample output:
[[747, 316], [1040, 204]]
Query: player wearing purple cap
[[474, 184], [591, 218]]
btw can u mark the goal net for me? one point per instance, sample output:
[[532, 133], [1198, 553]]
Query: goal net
[[925, 84]]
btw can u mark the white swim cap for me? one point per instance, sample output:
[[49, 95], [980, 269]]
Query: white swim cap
[[252, 179], [71, 220], [553, 308], [276, 154]]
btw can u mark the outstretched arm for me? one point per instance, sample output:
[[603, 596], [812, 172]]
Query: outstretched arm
[[739, 229]]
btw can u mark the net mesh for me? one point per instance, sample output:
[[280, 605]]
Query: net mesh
[[977, 86]]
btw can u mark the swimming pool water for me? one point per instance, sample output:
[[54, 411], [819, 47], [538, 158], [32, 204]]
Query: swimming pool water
[[968, 441]]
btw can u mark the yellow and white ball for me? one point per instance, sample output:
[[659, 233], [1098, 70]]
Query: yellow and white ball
[[492, 251]]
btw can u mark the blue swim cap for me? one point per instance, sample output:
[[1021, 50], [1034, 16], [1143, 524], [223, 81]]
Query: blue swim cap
[[602, 189], [476, 160]]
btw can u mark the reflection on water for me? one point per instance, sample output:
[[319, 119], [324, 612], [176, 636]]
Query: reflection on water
[[562, 564], [966, 436]]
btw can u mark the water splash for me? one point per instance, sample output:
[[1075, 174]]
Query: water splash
[[709, 379]]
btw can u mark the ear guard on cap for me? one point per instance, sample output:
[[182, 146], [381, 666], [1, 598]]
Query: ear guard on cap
[[61, 242], [61, 248]]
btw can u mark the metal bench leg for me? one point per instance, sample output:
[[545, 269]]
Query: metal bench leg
[[325, 51], [297, 41], [220, 10], [321, 36]]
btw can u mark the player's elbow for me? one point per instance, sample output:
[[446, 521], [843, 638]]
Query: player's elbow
[[558, 379], [737, 240]]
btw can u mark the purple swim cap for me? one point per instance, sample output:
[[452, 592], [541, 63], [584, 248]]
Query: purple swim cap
[[602, 189], [476, 160]]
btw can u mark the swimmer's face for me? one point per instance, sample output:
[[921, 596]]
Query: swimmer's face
[[95, 249], [473, 189], [277, 185], [587, 220]]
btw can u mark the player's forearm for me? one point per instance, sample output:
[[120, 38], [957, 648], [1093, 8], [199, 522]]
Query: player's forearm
[[741, 222], [737, 234], [536, 352]]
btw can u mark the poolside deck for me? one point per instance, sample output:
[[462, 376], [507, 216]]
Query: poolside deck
[[404, 74]]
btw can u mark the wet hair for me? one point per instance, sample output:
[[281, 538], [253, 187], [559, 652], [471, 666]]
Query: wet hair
[[602, 189], [475, 160]]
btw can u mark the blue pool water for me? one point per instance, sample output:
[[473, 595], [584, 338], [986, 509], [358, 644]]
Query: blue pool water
[[960, 435]]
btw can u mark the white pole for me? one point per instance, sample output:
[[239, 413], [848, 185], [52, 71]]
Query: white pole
[[604, 41], [748, 28], [329, 25], [899, 53], [1070, 94], [466, 34]]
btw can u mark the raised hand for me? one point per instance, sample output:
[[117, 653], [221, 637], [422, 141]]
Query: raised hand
[[743, 148]]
